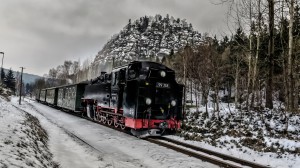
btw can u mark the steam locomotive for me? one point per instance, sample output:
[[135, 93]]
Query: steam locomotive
[[142, 96]]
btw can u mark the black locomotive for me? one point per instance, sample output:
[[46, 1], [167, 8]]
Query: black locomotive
[[142, 96]]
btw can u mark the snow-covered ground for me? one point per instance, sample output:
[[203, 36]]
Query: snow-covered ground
[[75, 142], [268, 158], [23, 142], [254, 136]]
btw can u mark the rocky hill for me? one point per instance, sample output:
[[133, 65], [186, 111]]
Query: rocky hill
[[148, 38]]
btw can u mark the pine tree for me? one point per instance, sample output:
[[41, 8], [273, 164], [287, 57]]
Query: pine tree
[[10, 80], [2, 74]]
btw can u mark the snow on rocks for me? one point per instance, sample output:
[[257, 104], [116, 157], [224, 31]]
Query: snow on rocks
[[256, 135]]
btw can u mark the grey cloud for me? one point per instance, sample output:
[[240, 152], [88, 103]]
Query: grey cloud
[[41, 34]]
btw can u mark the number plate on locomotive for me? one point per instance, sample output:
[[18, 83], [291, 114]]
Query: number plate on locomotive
[[162, 85]]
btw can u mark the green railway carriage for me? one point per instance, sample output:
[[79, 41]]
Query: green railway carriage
[[51, 96], [37, 93], [42, 97], [69, 96]]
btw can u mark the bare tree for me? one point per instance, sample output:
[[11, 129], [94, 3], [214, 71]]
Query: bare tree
[[40, 83], [67, 65], [202, 69], [185, 54], [269, 87], [52, 76], [53, 73], [216, 76], [75, 67], [250, 79], [290, 65], [255, 68], [60, 72]]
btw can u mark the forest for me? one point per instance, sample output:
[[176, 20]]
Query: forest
[[255, 66], [259, 63]]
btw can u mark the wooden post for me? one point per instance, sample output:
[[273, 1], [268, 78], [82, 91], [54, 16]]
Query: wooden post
[[21, 85]]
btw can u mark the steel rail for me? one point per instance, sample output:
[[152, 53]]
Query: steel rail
[[222, 156], [200, 156]]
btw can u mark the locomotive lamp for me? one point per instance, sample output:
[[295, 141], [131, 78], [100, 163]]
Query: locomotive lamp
[[173, 103], [131, 74], [148, 101], [162, 74]]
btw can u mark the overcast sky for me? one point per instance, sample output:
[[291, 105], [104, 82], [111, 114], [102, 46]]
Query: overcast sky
[[41, 34]]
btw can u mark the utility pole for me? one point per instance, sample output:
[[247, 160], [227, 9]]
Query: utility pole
[[21, 85], [2, 65]]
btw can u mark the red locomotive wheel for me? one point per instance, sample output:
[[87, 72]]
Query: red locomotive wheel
[[116, 124], [103, 120], [122, 126], [109, 122], [115, 119], [98, 117]]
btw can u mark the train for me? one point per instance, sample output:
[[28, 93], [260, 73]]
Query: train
[[141, 96]]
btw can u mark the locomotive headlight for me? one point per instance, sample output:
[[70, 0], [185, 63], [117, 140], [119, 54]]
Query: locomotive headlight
[[162, 74], [173, 103], [148, 101]]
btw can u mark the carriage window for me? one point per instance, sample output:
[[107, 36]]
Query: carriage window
[[115, 78], [122, 75], [133, 70], [108, 78], [64, 93], [131, 74]]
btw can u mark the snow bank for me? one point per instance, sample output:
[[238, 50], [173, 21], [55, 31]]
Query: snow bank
[[23, 142]]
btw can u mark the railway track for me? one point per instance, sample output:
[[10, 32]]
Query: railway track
[[65, 130], [188, 149], [204, 154]]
